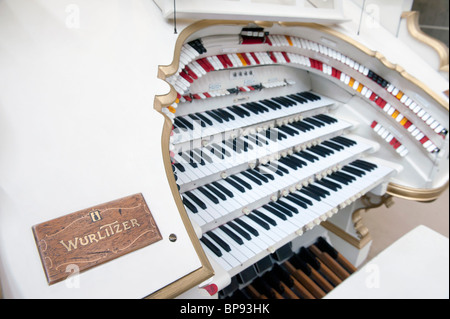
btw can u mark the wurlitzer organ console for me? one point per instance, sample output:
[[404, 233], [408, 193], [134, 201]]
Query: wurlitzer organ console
[[281, 133]]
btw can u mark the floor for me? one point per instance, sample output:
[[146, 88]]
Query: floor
[[388, 225]]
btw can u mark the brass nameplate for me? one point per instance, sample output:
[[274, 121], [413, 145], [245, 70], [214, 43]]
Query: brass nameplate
[[92, 236]]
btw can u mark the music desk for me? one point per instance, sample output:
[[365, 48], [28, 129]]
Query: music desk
[[414, 267]]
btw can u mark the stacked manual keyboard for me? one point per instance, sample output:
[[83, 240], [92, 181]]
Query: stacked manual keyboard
[[254, 176]]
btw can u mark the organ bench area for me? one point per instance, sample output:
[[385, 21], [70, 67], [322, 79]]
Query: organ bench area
[[278, 132]]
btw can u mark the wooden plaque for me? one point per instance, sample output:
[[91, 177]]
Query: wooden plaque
[[95, 235]]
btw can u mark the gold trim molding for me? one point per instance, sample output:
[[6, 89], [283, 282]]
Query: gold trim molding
[[412, 24], [416, 194], [355, 242]]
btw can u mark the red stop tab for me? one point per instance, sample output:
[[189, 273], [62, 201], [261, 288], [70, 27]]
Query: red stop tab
[[211, 289]]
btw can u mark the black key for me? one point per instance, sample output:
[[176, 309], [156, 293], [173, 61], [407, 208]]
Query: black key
[[315, 191], [302, 198], [247, 227], [229, 115], [186, 123], [353, 171], [317, 151], [262, 138], [211, 246], [290, 98], [280, 208], [221, 149], [219, 241], [232, 144], [330, 182], [223, 189], [274, 169], [258, 175], [338, 178], [310, 194], [305, 125], [239, 230], [252, 178], [265, 217], [235, 111], [280, 136], [179, 166], [197, 158], [260, 222], [288, 130], [209, 195], [298, 125], [216, 151], [275, 212], [196, 199], [267, 103], [204, 156], [195, 118], [188, 159], [325, 118], [345, 175], [260, 106], [214, 116], [296, 201], [364, 165], [287, 162], [327, 185], [311, 96], [308, 156], [314, 122], [216, 192], [288, 101], [277, 168], [240, 181], [326, 150], [342, 177], [287, 206], [319, 189], [189, 205], [232, 235], [269, 176], [219, 113], [253, 139], [235, 185], [297, 98], [250, 108], [367, 163], [241, 109], [297, 160], [344, 141], [204, 119], [332, 145], [178, 124]]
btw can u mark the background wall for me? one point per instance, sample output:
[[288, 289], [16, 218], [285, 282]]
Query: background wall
[[434, 18]]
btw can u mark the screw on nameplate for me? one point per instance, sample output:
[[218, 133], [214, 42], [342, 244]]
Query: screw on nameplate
[[95, 215]]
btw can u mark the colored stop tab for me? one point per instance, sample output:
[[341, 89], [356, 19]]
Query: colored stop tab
[[211, 289]]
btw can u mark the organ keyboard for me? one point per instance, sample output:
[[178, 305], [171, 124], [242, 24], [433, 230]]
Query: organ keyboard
[[277, 130]]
